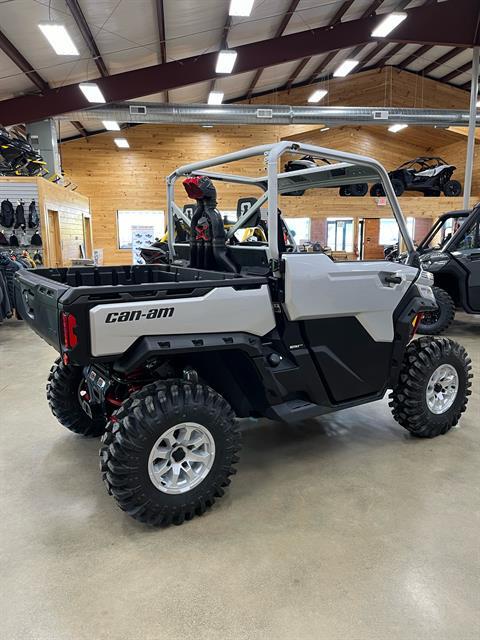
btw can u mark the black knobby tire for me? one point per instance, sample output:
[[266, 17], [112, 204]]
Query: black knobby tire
[[398, 186], [377, 190], [452, 188], [135, 428], [359, 190], [409, 398], [63, 397], [437, 321]]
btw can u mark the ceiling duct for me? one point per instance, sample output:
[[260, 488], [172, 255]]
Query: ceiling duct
[[229, 114]]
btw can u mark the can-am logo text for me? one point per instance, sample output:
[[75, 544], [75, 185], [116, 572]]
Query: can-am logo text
[[130, 316]]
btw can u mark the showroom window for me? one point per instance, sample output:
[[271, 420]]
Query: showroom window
[[128, 219], [340, 234], [389, 232], [300, 227]]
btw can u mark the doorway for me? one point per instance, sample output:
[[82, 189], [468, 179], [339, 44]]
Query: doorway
[[54, 242], [87, 236], [372, 250]]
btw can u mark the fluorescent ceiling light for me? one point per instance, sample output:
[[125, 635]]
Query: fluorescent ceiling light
[[111, 125], [215, 97], [240, 7], [225, 61], [59, 39], [91, 91], [325, 129], [207, 126], [122, 143], [394, 128], [388, 24], [345, 68], [318, 95]]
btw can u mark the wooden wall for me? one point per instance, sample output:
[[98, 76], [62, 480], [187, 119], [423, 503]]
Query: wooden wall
[[135, 178]]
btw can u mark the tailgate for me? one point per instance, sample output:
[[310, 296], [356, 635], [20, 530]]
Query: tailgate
[[36, 299]]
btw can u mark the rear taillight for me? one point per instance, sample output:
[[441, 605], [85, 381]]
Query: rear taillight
[[69, 324]]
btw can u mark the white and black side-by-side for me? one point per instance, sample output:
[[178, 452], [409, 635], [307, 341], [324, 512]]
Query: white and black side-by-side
[[161, 359]]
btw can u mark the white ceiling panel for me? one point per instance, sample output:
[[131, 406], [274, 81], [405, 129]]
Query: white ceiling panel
[[194, 93], [235, 86], [275, 76], [193, 27], [19, 21], [458, 61], [126, 33], [429, 56], [311, 14], [404, 52], [12, 80], [262, 23]]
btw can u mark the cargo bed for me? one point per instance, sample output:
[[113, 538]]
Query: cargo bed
[[45, 295]]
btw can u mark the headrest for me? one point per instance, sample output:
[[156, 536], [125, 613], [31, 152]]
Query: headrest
[[200, 188]]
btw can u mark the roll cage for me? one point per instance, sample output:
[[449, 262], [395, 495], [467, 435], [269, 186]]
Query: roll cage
[[424, 163], [349, 168]]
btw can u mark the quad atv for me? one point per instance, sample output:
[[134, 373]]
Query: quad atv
[[451, 252], [429, 175], [161, 360]]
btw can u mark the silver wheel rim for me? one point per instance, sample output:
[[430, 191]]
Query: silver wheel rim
[[442, 388], [181, 458]]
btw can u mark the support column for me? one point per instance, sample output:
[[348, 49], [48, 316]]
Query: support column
[[467, 189], [43, 137]]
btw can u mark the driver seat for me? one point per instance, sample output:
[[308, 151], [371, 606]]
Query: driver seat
[[207, 233]]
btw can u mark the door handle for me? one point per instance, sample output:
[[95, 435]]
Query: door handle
[[393, 279]]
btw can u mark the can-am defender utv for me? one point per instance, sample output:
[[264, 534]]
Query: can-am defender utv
[[161, 359], [451, 253]]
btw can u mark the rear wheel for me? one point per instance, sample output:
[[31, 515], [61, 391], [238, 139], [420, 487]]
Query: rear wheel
[[168, 452], [452, 188], [65, 388], [433, 387], [436, 321]]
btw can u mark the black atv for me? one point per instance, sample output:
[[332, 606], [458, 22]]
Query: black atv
[[429, 175], [451, 252]]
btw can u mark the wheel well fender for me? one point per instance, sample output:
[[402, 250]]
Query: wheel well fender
[[232, 364]]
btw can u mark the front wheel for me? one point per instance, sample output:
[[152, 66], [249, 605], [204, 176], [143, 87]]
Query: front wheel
[[436, 321], [398, 186], [168, 452], [65, 387], [452, 188], [433, 387]]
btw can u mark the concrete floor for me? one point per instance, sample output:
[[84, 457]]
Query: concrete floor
[[342, 527]]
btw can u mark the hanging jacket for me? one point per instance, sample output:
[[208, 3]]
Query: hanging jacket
[[19, 215], [14, 241], [3, 239], [9, 268], [6, 214], [32, 215], [6, 308], [36, 240]]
